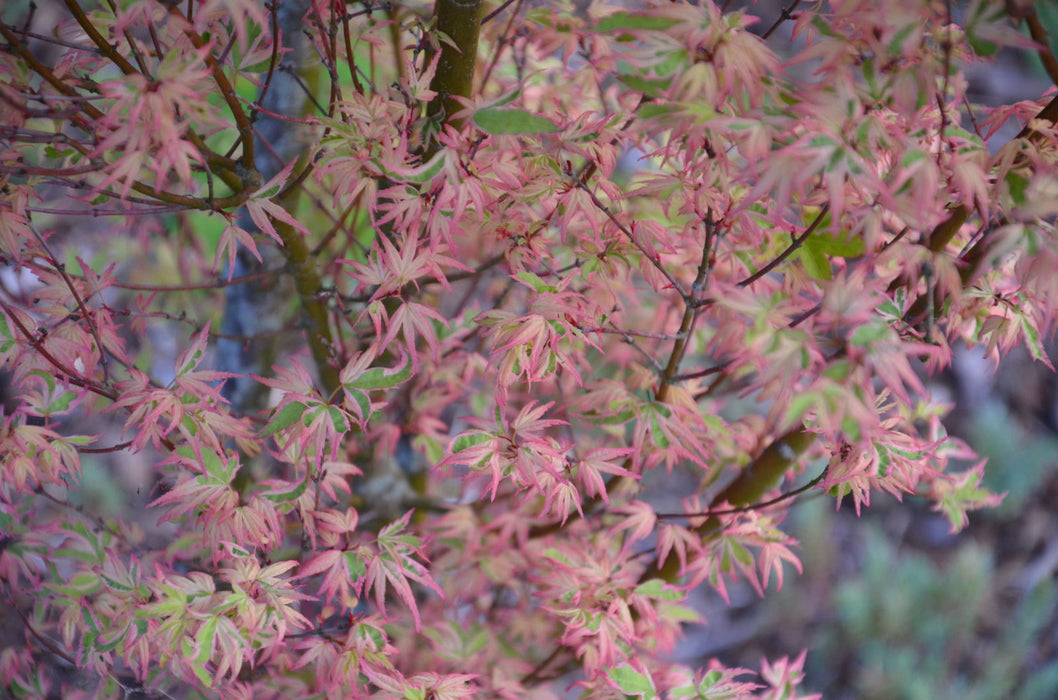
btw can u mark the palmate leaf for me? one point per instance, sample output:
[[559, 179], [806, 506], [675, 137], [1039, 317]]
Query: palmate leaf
[[343, 574], [1033, 341], [717, 684], [817, 249], [231, 241], [633, 20], [632, 682], [198, 653], [957, 494], [284, 417], [285, 492], [396, 566], [263, 210], [381, 377], [513, 121], [190, 358]]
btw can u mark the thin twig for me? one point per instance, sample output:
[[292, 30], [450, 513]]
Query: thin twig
[[639, 334], [631, 237], [109, 50], [797, 242], [753, 506], [242, 121], [492, 15], [690, 313], [57, 42], [216, 284], [787, 13], [93, 327], [68, 374], [698, 374], [1039, 34]]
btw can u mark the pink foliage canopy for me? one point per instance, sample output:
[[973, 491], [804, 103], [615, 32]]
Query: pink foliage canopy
[[662, 245]]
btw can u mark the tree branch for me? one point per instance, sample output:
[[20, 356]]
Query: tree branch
[[460, 22], [307, 283]]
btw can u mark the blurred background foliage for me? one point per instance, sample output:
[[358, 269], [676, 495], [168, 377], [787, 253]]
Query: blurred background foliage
[[891, 606]]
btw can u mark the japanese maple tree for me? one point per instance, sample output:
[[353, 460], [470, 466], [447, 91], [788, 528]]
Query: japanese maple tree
[[415, 312]]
